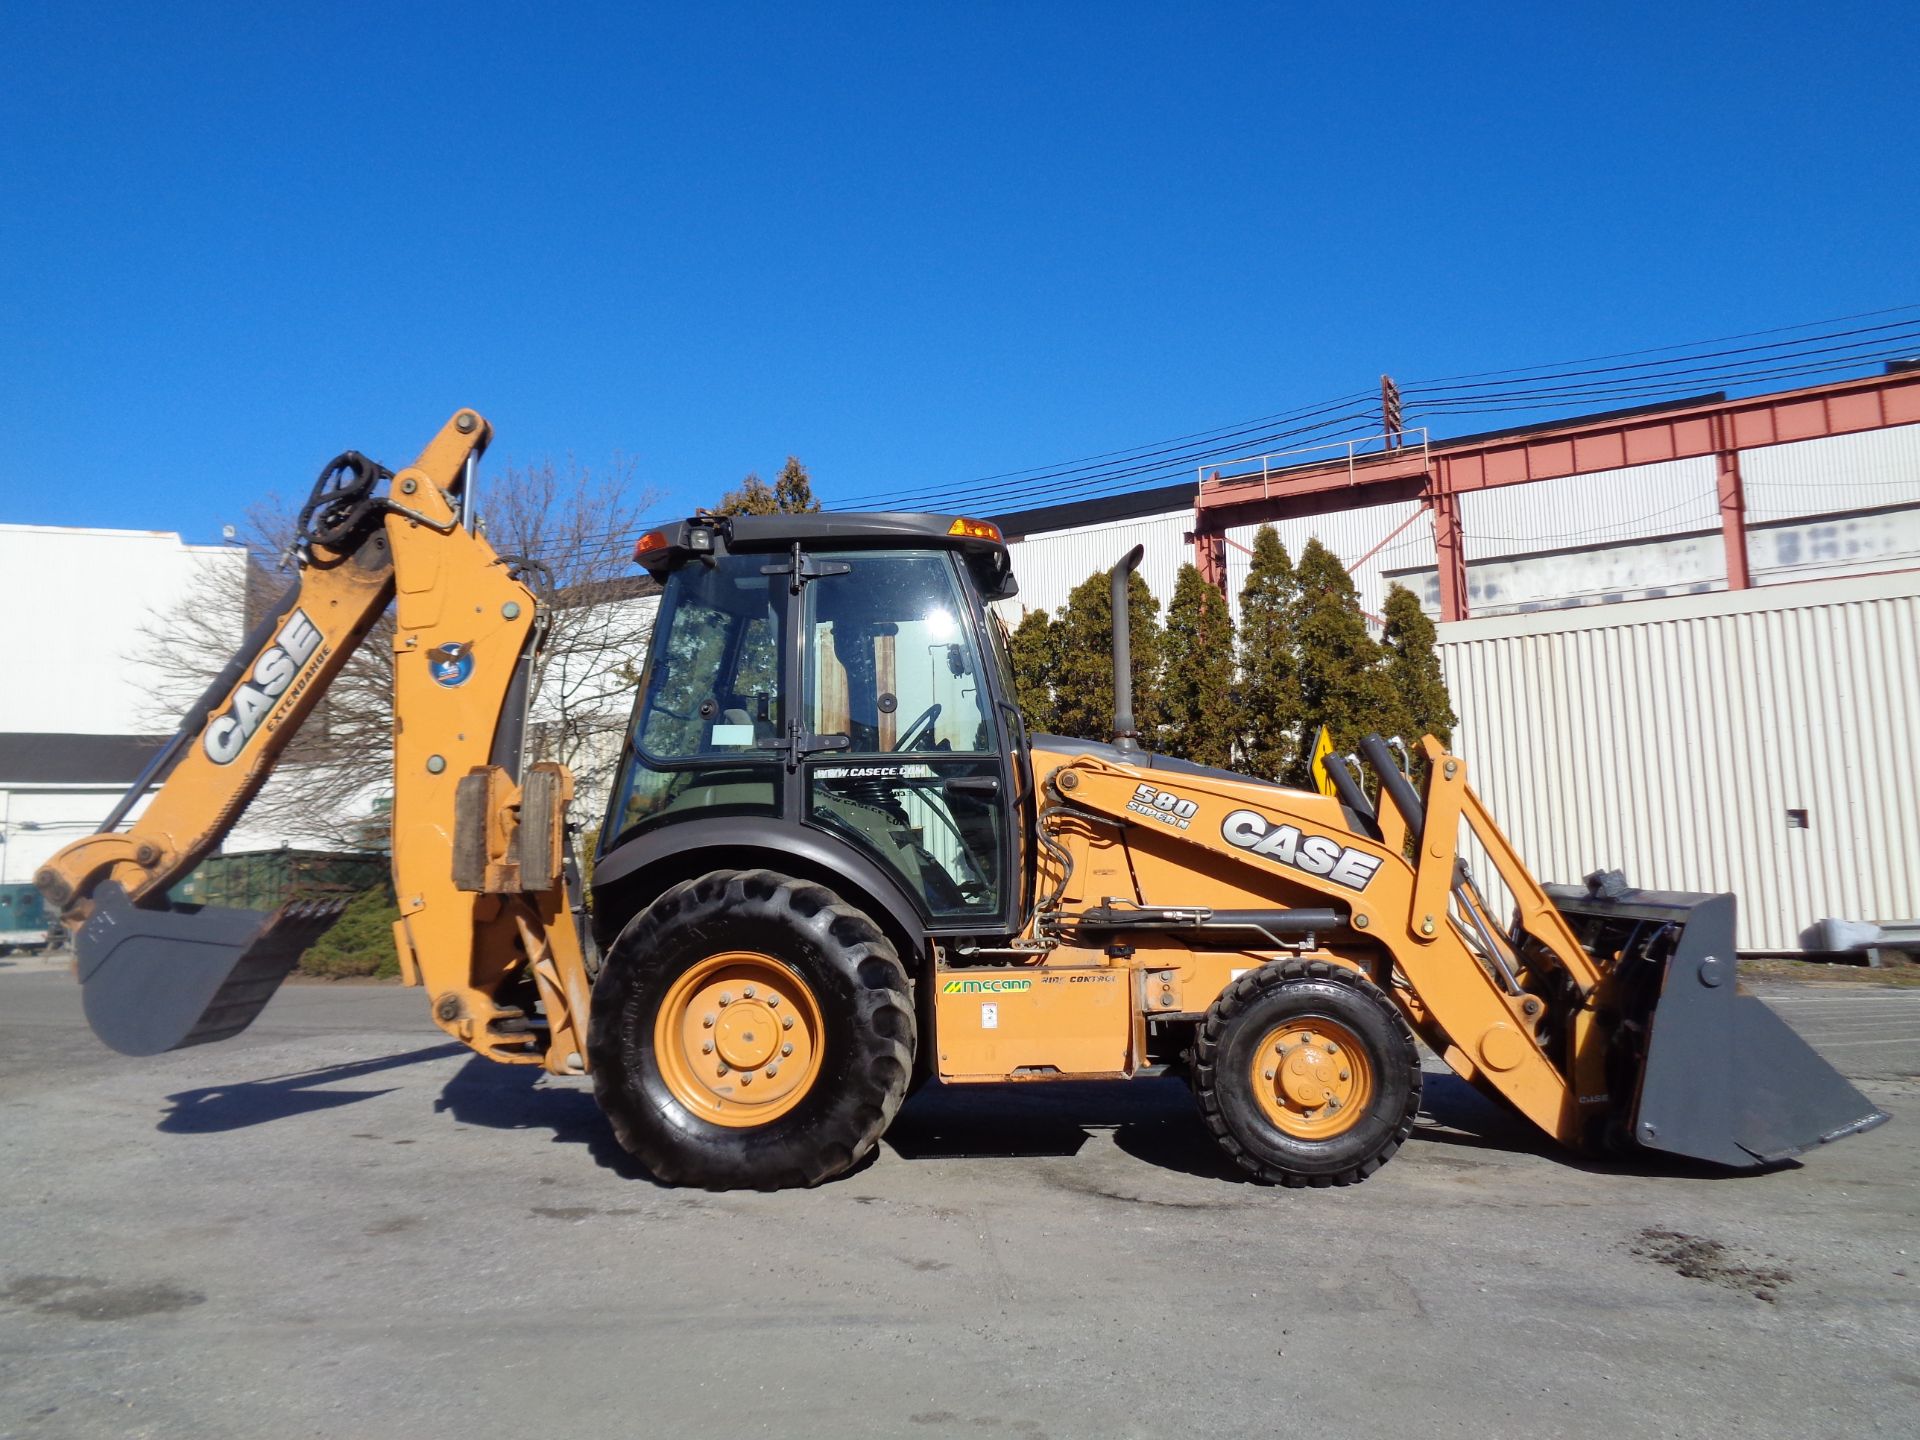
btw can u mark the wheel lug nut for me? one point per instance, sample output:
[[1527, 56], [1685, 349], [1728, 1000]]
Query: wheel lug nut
[[1269, 1074], [772, 999], [721, 1068], [786, 1049], [786, 1022], [708, 1019], [726, 997], [746, 1077], [1332, 1049], [1343, 1075], [773, 1069], [748, 992], [707, 1049]]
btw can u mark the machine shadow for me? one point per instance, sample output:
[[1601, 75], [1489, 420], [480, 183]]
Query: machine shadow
[[1153, 1120], [513, 1097], [216, 1108], [1452, 1112]]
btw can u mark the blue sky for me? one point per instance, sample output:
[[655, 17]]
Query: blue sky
[[914, 244]]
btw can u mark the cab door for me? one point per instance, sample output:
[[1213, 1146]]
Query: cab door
[[894, 678]]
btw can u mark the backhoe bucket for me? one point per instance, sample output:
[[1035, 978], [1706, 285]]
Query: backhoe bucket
[[157, 980], [1699, 1069]]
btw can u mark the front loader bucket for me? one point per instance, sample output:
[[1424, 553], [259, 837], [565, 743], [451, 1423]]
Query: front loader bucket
[[1694, 1067], [157, 980]]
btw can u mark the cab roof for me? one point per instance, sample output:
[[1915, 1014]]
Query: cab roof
[[665, 548]]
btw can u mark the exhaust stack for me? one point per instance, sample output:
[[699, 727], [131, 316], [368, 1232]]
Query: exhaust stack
[[1125, 737]]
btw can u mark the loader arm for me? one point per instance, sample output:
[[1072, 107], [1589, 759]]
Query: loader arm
[[1605, 1022], [478, 846], [1270, 845]]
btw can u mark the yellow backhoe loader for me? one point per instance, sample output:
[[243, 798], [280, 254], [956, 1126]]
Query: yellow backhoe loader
[[836, 862]]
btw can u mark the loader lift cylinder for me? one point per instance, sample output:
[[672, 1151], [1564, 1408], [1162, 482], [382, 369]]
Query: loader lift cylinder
[[1394, 781]]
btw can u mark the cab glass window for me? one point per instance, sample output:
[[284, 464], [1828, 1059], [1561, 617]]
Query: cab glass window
[[892, 665], [891, 662], [710, 708]]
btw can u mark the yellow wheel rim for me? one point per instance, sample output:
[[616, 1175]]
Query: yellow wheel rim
[[739, 1039], [1312, 1078]]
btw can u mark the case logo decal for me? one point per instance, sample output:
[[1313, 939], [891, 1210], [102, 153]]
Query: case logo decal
[[272, 673], [1313, 854]]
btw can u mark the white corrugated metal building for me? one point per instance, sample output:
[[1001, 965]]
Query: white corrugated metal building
[[77, 709], [1619, 706]]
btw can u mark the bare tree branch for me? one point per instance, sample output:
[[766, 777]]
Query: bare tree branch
[[331, 785]]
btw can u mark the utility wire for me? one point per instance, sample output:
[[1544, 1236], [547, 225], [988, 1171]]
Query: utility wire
[[1528, 388], [1541, 400], [1170, 467], [1664, 349], [1860, 349]]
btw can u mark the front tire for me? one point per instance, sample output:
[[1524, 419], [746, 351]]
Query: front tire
[[750, 1030], [1306, 1074]]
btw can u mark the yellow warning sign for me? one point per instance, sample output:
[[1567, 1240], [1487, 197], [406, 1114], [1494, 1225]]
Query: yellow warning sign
[[1317, 767]]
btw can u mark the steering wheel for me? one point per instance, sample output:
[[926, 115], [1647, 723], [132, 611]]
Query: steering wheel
[[921, 727]]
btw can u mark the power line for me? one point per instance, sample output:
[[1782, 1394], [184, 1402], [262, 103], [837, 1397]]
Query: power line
[[1128, 461], [1172, 465], [1909, 331], [1241, 426], [1533, 388], [1540, 400], [1684, 345]]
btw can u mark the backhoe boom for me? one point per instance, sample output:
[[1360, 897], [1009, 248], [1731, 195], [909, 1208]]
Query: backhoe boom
[[489, 943]]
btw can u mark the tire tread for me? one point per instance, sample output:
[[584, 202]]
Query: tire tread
[[1240, 996]]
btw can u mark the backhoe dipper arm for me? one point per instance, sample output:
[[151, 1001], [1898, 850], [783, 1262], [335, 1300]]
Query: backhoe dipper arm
[[228, 742], [485, 922]]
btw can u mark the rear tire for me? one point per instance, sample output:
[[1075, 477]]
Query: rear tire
[[782, 952], [1306, 1074]]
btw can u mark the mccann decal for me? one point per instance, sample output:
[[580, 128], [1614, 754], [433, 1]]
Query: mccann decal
[[1315, 854], [272, 674]]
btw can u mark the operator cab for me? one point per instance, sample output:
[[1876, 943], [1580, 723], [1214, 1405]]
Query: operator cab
[[843, 673]]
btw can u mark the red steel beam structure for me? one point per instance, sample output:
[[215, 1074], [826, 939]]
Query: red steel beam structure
[[1442, 473]]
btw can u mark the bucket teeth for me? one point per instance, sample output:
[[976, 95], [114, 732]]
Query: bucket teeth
[[262, 967]]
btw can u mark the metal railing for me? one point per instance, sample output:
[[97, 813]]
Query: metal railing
[[1390, 444]]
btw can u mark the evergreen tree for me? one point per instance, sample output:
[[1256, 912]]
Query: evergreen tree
[[1413, 666], [793, 491], [1268, 715], [1343, 677], [1083, 658], [790, 494], [1196, 678], [1033, 647]]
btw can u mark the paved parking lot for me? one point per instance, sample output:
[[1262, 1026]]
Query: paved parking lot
[[339, 1225]]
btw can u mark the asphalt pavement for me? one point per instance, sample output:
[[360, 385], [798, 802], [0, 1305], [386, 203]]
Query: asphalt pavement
[[339, 1224]]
